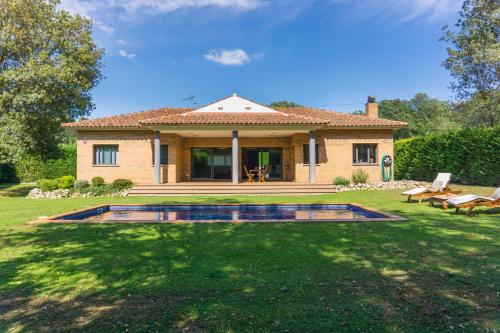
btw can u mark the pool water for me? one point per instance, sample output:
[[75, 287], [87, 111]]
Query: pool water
[[226, 213]]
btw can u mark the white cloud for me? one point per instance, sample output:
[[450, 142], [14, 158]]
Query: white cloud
[[105, 28], [121, 42], [402, 10], [131, 7], [126, 54], [236, 57]]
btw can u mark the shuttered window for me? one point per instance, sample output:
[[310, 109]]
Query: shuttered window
[[364, 153], [306, 153], [106, 154], [163, 154]]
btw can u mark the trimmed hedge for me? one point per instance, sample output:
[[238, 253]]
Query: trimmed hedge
[[97, 181], [47, 185], [472, 155], [30, 169], [122, 184]]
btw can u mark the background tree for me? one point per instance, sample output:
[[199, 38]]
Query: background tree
[[423, 114], [48, 66], [284, 104], [474, 61]]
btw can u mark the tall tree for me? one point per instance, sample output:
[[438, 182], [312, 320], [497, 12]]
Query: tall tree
[[284, 104], [474, 61], [423, 114], [48, 66]]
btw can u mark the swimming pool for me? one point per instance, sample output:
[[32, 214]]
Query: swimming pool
[[223, 213]]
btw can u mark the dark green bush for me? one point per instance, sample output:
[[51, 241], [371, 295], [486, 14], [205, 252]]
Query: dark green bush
[[81, 184], [97, 181], [66, 182], [48, 185], [122, 184], [471, 155], [99, 189], [8, 174], [30, 168], [341, 181], [359, 176]]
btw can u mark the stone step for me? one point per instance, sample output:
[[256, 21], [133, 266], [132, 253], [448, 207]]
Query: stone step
[[244, 183], [230, 188], [250, 188], [229, 191], [232, 191]]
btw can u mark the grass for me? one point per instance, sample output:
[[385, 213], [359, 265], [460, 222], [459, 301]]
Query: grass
[[438, 271]]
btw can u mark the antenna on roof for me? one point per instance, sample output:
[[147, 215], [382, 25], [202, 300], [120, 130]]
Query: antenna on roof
[[190, 98]]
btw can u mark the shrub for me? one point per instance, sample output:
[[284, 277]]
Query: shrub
[[48, 185], [32, 168], [66, 182], [341, 181], [122, 184], [97, 181], [470, 154], [81, 184], [8, 173], [99, 189], [359, 176]]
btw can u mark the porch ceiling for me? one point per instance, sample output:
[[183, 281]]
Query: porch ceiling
[[241, 133]]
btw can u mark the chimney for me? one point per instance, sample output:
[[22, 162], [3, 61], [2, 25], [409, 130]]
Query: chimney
[[371, 107]]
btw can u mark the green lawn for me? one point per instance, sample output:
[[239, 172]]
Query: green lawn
[[437, 271]]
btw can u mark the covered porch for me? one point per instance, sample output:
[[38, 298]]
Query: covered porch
[[221, 155]]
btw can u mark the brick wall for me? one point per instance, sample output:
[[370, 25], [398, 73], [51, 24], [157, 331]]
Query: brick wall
[[135, 154], [335, 153]]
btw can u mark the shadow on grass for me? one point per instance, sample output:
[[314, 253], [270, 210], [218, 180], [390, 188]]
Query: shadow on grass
[[430, 273], [15, 190]]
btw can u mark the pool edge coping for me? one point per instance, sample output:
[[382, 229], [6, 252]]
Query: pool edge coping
[[55, 219]]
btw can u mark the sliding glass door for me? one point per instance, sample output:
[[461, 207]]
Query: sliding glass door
[[258, 158], [210, 163]]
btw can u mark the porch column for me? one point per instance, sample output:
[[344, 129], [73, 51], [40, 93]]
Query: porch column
[[235, 163], [312, 157], [157, 156]]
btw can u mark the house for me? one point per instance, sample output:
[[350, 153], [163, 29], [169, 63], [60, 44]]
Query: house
[[222, 139]]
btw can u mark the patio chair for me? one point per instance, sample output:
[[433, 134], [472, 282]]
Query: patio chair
[[439, 186], [471, 201], [263, 174], [250, 175]]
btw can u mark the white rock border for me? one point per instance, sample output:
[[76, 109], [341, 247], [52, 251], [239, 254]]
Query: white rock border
[[37, 193]]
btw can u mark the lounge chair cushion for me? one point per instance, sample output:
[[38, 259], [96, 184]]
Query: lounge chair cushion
[[417, 190], [496, 194], [439, 184], [444, 179], [468, 198]]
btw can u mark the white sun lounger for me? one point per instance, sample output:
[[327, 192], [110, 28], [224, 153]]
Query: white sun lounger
[[471, 201], [439, 186]]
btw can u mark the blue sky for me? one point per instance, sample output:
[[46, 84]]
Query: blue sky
[[322, 53]]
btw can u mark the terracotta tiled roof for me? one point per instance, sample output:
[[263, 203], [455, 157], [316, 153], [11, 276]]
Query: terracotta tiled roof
[[234, 118], [339, 119], [286, 116], [127, 119]]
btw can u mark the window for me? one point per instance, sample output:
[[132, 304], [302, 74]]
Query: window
[[306, 153], [163, 154], [364, 154], [106, 154]]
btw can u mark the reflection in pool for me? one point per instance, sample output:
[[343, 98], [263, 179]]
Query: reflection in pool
[[226, 213]]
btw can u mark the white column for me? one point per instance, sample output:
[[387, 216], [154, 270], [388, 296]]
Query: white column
[[235, 158], [312, 157], [157, 157]]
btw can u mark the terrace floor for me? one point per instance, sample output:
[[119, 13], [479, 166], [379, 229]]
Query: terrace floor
[[228, 188]]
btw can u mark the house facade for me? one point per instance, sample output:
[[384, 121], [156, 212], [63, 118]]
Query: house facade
[[226, 140]]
